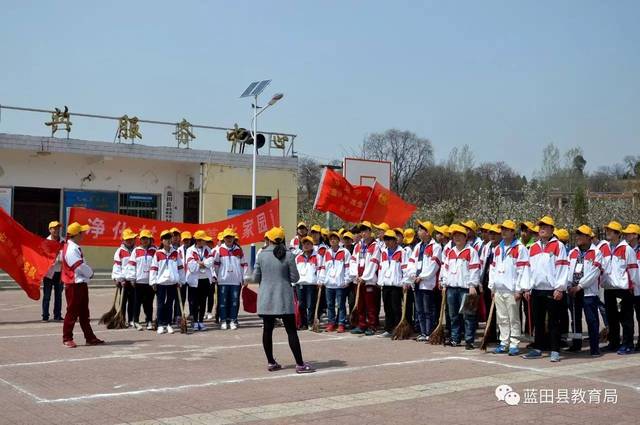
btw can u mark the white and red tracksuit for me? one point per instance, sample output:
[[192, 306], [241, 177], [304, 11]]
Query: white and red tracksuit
[[365, 263], [76, 274], [120, 260], [137, 271]]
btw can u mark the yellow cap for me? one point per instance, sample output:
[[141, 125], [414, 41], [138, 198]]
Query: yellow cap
[[336, 234], [486, 226], [409, 236], [341, 231], [536, 229], [508, 224], [456, 228], [347, 235], [276, 233], [221, 238], [389, 234], [548, 220], [470, 224], [201, 235], [146, 233], [426, 225], [562, 234], [301, 224], [399, 230], [444, 229], [128, 234], [184, 235], [382, 226], [306, 239], [324, 231], [614, 225], [366, 224], [228, 232], [165, 233], [174, 230], [632, 229], [528, 224], [495, 228], [585, 230], [75, 228], [54, 224], [316, 228]]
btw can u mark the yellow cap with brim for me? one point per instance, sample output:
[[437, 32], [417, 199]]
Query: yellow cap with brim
[[562, 234], [174, 230], [426, 225], [471, 225], [316, 228], [585, 230], [54, 224], [128, 234], [301, 224], [443, 230], [409, 236], [382, 226], [75, 228], [548, 220], [275, 234], [165, 233], [631, 229], [508, 224], [456, 228], [146, 233], [614, 225], [201, 235], [366, 224], [389, 234], [307, 239], [347, 235], [185, 235], [495, 228]]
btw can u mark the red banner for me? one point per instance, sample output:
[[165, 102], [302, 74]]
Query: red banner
[[384, 206], [25, 256], [356, 203], [337, 195], [106, 228]]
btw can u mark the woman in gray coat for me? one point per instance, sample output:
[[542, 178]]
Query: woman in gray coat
[[274, 271]]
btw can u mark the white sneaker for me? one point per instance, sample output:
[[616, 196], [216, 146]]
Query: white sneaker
[[202, 326], [161, 330], [149, 326], [169, 329], [138, 327], [224, 326], [131, 324], [195, 326], [209, 316], [234, 326]]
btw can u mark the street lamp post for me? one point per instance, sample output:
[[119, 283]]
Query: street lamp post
[[254, 90]]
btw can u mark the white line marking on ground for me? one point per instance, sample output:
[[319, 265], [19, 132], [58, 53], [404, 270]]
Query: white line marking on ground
[[137, 355]]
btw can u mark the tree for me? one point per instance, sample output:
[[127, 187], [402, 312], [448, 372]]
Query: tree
[[580, 206], [408, 153], [461, 160], [579, 163], [550, 162], [308, 180]]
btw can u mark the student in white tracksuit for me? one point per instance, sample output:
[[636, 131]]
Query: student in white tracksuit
[[393, 279], [334, 275], [231, 268], [137, 272], [199, 261], [120, 261], [508, 276], [308, 265], [166, 275]]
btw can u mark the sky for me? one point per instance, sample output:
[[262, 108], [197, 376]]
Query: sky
[[505, 77]]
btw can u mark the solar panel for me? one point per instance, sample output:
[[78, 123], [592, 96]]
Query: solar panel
[[261, 86], [249, 89]]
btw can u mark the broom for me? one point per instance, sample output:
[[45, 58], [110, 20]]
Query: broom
[[353, 316], [316, 319], [183, 322], [403, 330], [485, 336], [437, 336], [118, 321], [108, 316]]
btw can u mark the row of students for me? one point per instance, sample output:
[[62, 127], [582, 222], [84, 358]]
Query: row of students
[[555, 284], [144, 271]]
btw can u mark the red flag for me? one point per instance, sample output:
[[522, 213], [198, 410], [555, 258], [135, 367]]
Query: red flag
[[385, 206], [337, 195], [26, 257]]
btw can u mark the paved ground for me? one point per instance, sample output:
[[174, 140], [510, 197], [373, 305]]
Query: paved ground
[[219, 377]]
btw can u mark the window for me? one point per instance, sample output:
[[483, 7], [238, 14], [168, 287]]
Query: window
[[243, 202], [140, 205]]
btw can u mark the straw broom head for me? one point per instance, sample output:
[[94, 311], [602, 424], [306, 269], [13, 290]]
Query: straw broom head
[[106, 318], [403, 330]]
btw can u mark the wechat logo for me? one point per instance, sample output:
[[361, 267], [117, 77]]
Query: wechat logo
[[505, 393]]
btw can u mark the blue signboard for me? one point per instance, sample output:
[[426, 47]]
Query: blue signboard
[[95, 200]]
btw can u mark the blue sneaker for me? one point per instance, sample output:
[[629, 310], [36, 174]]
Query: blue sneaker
[[555, 356], [514, 351], [500, 349], [624, 350], [533, 354]]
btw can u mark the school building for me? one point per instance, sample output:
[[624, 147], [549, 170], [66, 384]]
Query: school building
[[40, 177]]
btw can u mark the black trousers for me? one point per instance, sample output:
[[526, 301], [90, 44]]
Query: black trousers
[[198, 300], [623, 316], [392, 300], [128, 300], [289, 322], [47, 286], [143, 301], [543, 304]]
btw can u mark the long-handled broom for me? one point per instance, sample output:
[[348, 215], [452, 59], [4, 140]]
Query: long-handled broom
[[316, 319], [353, 316], [485, 336], [437, 336], [119, 321], [403, 330], [183, 323], [108, 316]]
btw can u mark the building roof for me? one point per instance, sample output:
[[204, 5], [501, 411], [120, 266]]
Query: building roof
[[161, 153]]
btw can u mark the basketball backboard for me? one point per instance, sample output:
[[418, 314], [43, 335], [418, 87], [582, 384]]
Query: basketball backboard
[[366, 172]]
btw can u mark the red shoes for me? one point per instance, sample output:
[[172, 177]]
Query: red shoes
[[69, 344], [340, 329], [331, 327]]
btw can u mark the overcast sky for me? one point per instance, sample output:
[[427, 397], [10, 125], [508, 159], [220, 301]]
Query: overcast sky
[[506, 77]]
